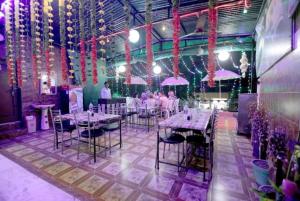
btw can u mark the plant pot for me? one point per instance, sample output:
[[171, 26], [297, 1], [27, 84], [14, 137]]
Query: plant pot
[[269, 193], [261, 171]]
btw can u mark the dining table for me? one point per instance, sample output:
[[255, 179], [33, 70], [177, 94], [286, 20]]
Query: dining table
[[195, 119], [102, 119]]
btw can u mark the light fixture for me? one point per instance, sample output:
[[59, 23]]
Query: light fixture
[[121, 69], [245, 11], [223, 56], [134, 36], [157, 70], [153, 63], [163, 28]]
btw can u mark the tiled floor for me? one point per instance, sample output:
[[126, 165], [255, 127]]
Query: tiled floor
[[129, 174]]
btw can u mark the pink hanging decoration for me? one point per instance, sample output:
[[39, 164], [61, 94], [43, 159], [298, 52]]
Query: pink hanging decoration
[[82, 60], [48, 67], [149, 53], [94, 60], [176, 32], [212, 39], [63, 61], [127, 57]]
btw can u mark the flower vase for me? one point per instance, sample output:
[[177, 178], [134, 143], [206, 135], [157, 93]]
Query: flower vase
[[268, 191]]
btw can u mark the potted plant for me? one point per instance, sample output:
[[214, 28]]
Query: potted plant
[[259, 131], [261, 171]]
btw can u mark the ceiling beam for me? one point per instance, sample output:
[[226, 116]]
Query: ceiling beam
[[136, 12]]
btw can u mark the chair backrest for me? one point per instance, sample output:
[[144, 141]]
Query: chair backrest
[[86, 125], [176, 105], [56, 119]]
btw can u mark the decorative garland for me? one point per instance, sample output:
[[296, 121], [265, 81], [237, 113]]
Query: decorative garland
[[17, 39], [63, 50], [33, 44], [9, 44], [50, 41], [94, 40], [46, 41], [38, 39], [102, 39], [148, 9], [70, 35], [176, 32], [112, 44], [212, 39], [127, 46], [82, 41], [22, 43]]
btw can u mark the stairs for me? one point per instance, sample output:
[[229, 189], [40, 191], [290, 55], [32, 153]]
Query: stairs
[[11, 130]]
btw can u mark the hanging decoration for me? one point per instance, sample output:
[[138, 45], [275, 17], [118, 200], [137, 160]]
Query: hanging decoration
[[82, 41], [176, 32], [244, 64], [46, 41], [102, 39], [9, 44], [148, 18], [63, 50], [94, 41], [33, 44], [50, 49], [113, 43], [70, 34], [22, 43], [127, 46], [38, 38], [17, 39], [212, 39]]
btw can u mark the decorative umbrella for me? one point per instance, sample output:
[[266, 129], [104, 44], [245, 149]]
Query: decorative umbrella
[[135, 80], [173, 81], [222, 75]]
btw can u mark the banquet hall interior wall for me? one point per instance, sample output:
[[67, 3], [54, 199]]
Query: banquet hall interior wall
[[279, 86]]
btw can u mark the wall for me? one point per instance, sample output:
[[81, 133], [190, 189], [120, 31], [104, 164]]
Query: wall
[[279, 88]]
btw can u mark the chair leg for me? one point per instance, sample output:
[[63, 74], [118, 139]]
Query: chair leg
[[62, 143], [178, 159], [164, 150], [78, 141], [109, 141], [94, 149]]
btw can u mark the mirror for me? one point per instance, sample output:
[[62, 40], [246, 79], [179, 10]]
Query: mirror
[[45, 89]]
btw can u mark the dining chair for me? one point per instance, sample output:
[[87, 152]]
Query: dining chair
[[89, 131], [172, 139], [60, 126]]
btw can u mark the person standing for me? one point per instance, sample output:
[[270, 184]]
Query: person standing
[[105, 91]]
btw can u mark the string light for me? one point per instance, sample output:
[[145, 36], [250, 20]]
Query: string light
[[166, 67], [184, 64]]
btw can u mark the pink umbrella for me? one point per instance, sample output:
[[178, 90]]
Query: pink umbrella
[[172, 81], [222, 75], [135, 80]]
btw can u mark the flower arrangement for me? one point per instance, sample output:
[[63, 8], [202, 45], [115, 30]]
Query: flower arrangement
[[148, 8], [38, 39], [176, 32], [17, 39], [33, 44], [22, 42], [212, 39], [46, 41]]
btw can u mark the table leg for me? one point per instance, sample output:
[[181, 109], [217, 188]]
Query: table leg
[[120, 133], [157, 151], [44, 119]]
